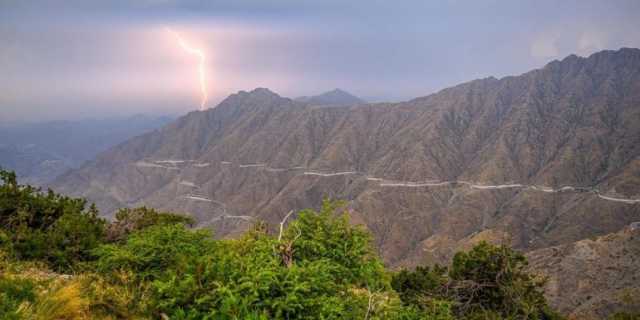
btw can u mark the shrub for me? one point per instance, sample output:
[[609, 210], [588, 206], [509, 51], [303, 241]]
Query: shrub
[[322, 268], [13, 293], [421, 286], [46, 226], [131, 220], [151, 252], [329, 235], [60, 302], [487, 282]]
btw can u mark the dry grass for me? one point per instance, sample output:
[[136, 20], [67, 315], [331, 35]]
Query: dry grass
[[62, 302]]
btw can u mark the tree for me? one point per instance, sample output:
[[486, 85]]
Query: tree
[[131, 220], [47, 226], [487, 282]]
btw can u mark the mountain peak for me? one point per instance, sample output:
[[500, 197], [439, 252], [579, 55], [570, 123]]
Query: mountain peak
[[334, 97], [261, 92], [257, 96]]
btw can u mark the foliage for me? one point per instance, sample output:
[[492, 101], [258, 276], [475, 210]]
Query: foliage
[[322, 235], [46, 226], [131, 220], [60, 302], [421, 287], [321, 268], [30, 291], [487, 282], [14, 292], [148, 265]]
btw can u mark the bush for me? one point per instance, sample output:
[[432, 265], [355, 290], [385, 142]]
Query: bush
[[322, 268], [422, 286], [13, 293], [46, 226], [487, 282], [131, 220], [151, 252], [329, 235], [149, 265], [30, 291]]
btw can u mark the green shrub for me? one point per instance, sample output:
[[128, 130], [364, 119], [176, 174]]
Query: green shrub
[[487, 282], [322, 268], [46, 226], [152, 251], [13, 293], [421, 286], [329, 235], [131, 220], [149, 265]]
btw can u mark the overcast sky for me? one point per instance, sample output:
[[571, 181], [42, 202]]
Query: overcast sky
[[79, 59]]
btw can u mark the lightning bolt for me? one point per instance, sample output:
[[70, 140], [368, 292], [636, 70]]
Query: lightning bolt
[[201, 65]]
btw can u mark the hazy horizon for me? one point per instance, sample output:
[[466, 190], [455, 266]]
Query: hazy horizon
[[86, 59]]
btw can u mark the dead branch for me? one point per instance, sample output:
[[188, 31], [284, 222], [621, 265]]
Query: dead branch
[[282, 224]]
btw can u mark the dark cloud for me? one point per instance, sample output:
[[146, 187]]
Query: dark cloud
[[90, 58]]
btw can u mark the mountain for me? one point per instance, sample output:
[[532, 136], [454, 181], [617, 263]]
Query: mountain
[[543, 159], [334, 97], [39, 152]]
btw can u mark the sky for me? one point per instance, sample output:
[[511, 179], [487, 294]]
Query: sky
[[80, 59]]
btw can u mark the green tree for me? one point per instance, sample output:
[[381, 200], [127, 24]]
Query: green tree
[[321, 268], [487, 282], [47, 226], [131, 220]]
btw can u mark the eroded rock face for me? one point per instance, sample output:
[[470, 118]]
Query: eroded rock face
[[546, 158], [592, 278]]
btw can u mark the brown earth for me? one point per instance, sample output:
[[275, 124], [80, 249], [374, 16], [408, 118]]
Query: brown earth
[[593, 278]]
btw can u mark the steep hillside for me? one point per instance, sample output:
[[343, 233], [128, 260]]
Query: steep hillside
[[545, 158], [592, 278]]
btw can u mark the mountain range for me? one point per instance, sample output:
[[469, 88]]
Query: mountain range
[[541, 161], [39, 152]]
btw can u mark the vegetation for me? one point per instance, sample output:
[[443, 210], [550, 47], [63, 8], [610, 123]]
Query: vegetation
[[47, 227], [58, 260], [487, 282]]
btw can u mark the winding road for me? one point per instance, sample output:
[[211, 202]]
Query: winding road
[[383, 183]]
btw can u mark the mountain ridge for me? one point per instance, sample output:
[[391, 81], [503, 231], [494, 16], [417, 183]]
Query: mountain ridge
[[569, 123]]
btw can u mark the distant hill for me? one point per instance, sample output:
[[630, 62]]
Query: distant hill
[[542, 159], [334, 97], [39, 152]]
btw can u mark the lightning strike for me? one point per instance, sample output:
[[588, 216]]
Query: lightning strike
[[201, 65]]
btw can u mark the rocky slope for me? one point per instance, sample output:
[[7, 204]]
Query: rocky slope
[[546, 158], [593, 278]]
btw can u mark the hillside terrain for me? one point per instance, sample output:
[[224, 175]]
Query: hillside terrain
[[592, 278], [543, 159]]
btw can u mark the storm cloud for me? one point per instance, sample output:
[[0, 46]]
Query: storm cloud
[[78, 59]]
